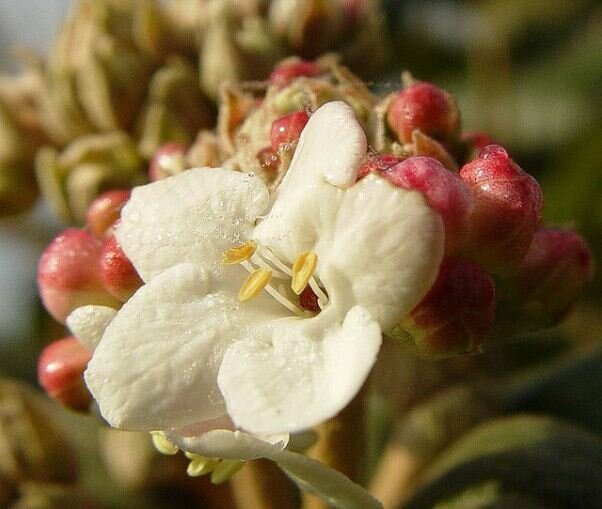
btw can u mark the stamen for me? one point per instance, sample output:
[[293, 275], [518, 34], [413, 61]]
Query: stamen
[[162, 444], [256, 282], [240, 253], [303, 270], [322, 297], [284, 301], [260, 262], [267, 253]]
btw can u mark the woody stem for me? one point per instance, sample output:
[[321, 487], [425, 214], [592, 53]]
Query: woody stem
[[260, 484], [341, 445]]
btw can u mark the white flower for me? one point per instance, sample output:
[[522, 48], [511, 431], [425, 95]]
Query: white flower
[[192, 346]]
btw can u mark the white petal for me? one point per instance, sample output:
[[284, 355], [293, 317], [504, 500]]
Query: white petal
[[156, 365], [293, 374], [331, 147], [228, 444], [307, 473], [383, 252], [88, 323], [326, 160], [191, 217]]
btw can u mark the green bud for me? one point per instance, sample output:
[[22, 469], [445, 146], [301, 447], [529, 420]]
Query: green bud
[[71, 180], [176, 110]]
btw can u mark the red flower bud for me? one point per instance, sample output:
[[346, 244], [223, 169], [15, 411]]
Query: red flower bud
[[69, 276], [549, 279], [508, 205], [457, 313], [105, 210], [60, 372], [117, 272], [378, 164], [287, 71], [444, 192], [168, 160], [287, 129], [426, 107]]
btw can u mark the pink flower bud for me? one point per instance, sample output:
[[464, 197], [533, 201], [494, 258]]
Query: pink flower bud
[[117, 272], [444, 191], [508, 205], [60, 372], [287, 71], [549, 279], [105, 210], [168, 160], [457, 313], [378, 164], [69, 275], [287, 129], [426, 107]]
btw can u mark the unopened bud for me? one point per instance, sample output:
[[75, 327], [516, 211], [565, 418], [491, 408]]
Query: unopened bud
[[426, 107], [287, 129], [549, 279], [444, 192], [456, 314], [508, 205], [105, 210], [117, 272], [290, 69], [69, 276], [378, 164], [60, 372]]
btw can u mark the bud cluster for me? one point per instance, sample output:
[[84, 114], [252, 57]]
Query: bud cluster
[[82, 266], [497, 251], [152, 71]]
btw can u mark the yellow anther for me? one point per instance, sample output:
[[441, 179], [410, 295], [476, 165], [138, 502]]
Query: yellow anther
[[200, 465], [163, 445], [225, 470], [239, 253], [256, 282], [303, 269]]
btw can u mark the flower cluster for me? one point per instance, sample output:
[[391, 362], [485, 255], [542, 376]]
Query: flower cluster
[[130, 75], [255, 293]]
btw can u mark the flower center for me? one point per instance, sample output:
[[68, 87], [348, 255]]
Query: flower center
[[265, 268]]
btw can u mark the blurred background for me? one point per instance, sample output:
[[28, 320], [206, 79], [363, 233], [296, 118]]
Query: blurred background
[[527, 72]]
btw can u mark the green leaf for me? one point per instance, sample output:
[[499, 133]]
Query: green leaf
[[538, 460]]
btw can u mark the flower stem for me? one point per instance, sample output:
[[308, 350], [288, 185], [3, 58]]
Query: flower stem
[[341, 445], [423, 433], [260, 484]]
